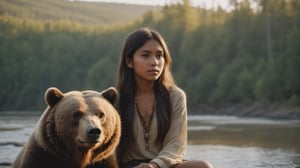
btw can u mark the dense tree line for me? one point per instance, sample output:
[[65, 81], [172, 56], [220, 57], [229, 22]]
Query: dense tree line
[[75, 11], [246, 55]]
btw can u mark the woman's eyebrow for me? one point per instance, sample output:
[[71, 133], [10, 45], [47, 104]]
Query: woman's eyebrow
[[149, 51], [146, 51]]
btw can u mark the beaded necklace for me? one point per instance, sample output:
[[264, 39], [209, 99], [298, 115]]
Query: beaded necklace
[[146, 122]]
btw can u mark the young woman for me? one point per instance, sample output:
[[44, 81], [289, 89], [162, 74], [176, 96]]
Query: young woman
[[152, 108]]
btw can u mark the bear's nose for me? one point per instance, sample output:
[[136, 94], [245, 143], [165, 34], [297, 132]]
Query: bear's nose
[[93, 133]]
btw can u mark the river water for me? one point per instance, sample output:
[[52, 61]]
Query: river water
[[225, 141]]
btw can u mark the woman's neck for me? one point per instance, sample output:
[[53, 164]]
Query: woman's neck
[[143, 88]]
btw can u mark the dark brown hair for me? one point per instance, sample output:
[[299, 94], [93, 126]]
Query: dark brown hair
[[126, 87]]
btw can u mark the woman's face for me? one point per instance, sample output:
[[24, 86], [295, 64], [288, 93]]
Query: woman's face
[[148, 61]]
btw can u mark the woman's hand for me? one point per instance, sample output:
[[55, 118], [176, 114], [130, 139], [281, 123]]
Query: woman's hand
[[147, 165]]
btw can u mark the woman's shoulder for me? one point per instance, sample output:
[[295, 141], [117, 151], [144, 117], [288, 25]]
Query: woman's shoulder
[[176, 91], [178, 101]]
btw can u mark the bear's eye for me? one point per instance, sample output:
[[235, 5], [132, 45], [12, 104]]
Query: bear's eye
[[77, 114], [100, 114]]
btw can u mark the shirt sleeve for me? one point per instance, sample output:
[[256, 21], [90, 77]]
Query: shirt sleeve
[[175, 142]]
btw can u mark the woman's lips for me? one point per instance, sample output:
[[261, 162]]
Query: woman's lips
[[154, 70]]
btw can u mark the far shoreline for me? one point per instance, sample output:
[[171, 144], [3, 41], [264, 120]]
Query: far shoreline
[[258, 110], [255, 110]]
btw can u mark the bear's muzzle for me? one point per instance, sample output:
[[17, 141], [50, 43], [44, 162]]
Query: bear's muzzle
[[93, 133]]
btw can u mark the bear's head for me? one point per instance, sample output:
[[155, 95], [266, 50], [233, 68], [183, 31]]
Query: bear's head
[[80, 123]]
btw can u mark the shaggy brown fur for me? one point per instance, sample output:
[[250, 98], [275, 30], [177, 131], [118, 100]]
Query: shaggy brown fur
[[77, 130]]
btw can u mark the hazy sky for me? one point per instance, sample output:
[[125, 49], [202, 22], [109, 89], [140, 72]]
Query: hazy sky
[[202, 3]]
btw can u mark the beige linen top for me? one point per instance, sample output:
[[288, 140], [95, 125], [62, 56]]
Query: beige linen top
[[174, 146]]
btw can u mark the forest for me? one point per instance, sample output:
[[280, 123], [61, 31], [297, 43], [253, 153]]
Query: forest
[[246, 55]]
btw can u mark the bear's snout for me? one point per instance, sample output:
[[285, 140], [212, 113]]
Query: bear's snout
[[93, 133]]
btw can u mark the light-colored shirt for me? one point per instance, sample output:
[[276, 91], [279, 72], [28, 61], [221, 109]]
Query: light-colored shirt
[[173, 149]]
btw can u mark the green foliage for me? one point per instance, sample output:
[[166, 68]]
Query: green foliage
[[218, 56], [74, 11], [203, 84]]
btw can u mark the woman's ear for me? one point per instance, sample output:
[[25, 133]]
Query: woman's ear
[[129, 63]]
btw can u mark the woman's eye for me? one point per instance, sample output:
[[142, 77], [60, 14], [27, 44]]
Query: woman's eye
[[159, 55], [145, 55]]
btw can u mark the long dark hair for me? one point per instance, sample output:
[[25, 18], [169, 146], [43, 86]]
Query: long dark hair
[[126, 87]]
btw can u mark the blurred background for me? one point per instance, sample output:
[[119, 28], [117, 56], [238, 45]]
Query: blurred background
[[234, 58], [237, 53]]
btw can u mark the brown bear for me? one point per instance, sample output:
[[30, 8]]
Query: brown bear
[[78, 129]]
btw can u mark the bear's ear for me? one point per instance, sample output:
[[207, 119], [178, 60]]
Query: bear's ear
[[110, 94], [52, 96]]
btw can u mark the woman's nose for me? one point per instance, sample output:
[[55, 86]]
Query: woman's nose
[[154, 61]]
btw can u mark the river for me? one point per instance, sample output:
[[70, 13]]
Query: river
[[225, 141]]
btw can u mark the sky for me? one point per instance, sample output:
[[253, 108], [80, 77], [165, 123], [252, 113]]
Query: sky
[[201, 3]]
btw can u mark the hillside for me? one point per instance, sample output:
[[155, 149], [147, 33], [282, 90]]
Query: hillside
[[83, 12]]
